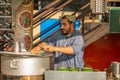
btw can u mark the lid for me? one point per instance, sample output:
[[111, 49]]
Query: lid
[[25, 54]]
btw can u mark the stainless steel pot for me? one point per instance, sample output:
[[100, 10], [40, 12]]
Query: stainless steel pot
[[22, 65], [115, 66]]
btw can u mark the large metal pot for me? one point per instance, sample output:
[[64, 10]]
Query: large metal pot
[[22, 65]]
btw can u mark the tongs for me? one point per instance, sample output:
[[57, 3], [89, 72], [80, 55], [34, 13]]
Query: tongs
[[43, 52]]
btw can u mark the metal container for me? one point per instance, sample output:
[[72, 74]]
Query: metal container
[[115, 66], [23, 65]]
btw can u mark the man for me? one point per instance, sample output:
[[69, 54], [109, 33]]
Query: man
[[67, 44]]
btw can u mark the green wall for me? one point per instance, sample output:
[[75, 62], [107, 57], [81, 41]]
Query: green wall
[[115, 19]]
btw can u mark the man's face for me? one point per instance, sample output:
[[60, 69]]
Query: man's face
[[65, 26]]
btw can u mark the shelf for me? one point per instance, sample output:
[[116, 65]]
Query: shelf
[[6, 30], [5, 16], [5, 4]]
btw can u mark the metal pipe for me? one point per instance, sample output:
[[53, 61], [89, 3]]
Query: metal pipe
[[86, 5], [82, 8], [39, 16], [46, 17], [46, 7]]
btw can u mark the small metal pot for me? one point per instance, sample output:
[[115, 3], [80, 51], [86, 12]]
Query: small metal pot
[[115, 66]]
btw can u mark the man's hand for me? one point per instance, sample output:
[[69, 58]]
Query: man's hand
[[35, 50], [38, 48], [49, 48]]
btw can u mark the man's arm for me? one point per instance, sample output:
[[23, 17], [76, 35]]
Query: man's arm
[[65, 50]]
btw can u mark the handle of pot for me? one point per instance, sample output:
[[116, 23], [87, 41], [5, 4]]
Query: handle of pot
[[14, 63]]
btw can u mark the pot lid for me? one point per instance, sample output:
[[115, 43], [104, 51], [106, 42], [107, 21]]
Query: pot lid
[[26, 54]]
